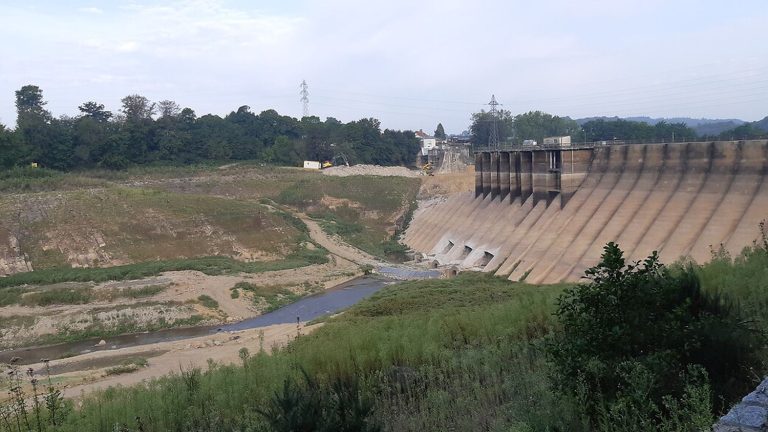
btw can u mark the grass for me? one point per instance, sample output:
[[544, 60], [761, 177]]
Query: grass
[[96, 227], [132, 293], [127, 366], [270, 297], [27, 179], [22, 321], [208, 301], [367, 210], [433, 355], [105, 330], [213, 265], [59, 296]]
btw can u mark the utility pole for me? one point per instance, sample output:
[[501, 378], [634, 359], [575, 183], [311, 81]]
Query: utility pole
[[305, 97], [493, 136]]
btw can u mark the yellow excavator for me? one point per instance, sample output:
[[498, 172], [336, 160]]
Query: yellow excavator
[[330, 163], [428, 169]]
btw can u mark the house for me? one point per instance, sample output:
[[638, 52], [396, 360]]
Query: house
[[427, 142]]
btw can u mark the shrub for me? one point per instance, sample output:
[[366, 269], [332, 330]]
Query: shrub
[[311, 405], [208, 301], [641, 321]]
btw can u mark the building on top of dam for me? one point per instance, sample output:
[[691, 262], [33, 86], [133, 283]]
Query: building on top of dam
[[543, 213]]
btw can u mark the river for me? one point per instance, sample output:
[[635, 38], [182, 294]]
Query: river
[[306, 309]]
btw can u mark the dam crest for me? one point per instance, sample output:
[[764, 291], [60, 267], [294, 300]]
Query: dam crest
[[543, 214]]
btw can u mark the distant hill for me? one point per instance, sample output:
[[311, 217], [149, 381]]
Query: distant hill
[[701, 126], [762, 124]]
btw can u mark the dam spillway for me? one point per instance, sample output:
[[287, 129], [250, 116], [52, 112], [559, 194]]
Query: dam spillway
[[543, 215]]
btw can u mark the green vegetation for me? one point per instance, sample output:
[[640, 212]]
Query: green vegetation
[[647, 348], [609, 130], [214, 265], [208, 301], [75, 295], [99, 329], [472, 352], [26, 179], [97, 138], [131, 293], [61, 296], [128, 366], [360, 209], [274, 297]]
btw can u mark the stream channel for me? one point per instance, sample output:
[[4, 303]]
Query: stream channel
[[306, 309]]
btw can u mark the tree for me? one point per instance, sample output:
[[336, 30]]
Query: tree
[[10, 153], [440, 132], [30, 106], [137, 107], [608, 130], [537, 125], [745, 131], [640, 335], [168, 109], [480, 129], [95, 111]]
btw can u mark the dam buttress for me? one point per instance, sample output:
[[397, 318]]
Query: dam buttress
[[543, 215]]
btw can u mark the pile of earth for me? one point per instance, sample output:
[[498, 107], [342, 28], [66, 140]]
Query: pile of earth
[[373, 170]]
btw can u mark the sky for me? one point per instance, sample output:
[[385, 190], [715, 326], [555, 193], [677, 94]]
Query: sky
[[411, 64]]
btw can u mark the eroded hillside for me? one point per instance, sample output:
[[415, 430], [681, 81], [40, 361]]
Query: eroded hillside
[[99, 219]]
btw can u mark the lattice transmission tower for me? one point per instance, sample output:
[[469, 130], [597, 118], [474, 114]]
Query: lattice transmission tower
[[304, 97], [493, 136]]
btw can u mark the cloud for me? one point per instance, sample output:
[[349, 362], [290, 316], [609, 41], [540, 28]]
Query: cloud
[[127, 46], [91, 10], [411, 64]]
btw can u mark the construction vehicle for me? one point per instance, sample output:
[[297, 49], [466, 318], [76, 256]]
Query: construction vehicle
[[333, 161], [428, 169]]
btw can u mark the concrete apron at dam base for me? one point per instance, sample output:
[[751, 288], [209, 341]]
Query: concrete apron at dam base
[[543, 215]]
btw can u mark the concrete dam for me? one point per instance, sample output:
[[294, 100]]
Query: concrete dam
[[544, 214]]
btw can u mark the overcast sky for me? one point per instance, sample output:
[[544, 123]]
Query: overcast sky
[[411, 64]]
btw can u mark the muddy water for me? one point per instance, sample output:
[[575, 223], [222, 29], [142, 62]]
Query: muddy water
[[306, 309]]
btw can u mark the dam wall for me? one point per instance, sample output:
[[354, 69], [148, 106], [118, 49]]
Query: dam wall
[[543, 215]]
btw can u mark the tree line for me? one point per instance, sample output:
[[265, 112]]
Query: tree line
[[145, 132], [535, 125]]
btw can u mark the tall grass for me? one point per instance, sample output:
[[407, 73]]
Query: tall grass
[[432, 355]]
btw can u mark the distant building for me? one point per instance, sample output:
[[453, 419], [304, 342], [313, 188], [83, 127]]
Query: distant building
[[464, 138], [529, 142], [559, 140], [428, 142]]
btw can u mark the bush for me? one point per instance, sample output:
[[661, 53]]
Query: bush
[[315, 406], [208, 301], [641, 321]]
